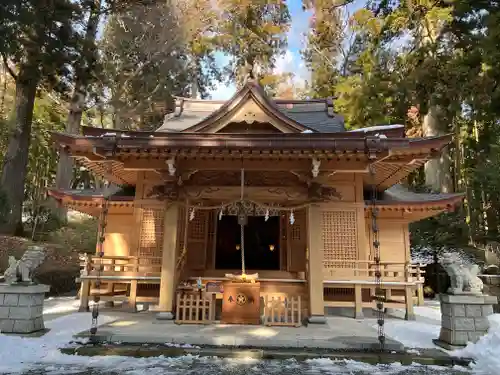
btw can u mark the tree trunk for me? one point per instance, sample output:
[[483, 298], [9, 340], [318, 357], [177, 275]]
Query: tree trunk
[[65, 165], [437, 171], [15, 162]]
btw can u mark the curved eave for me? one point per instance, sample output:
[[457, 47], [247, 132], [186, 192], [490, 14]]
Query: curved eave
[[416, 210], [91, 204], [251, 90], [402, 161], [421, 147]]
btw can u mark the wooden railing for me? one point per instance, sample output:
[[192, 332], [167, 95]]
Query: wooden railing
[[195, 308], [120, 265], [282, 310], [365, 270]]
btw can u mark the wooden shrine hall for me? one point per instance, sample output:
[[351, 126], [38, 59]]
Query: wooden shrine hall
[[252, 211]]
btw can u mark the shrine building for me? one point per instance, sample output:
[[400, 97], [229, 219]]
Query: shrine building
[[253, 211]]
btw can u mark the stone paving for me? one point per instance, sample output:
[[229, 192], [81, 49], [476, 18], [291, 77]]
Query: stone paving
[[338, 334]]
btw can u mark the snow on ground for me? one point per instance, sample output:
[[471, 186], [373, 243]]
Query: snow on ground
[[42, 355], [412, 334], [420, 333], [60, 305], [485, 351], [18, 354]]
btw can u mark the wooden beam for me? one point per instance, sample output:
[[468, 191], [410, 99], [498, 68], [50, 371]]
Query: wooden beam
[[344, 166], [227, 193]]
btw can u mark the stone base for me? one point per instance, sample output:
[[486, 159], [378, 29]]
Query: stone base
[[21, 308], [447, 346], [410, 316], [165, 316], [464, 318], [317, 319]]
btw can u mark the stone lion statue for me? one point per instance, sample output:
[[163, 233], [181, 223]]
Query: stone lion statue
[[464, 279], [22, 270]]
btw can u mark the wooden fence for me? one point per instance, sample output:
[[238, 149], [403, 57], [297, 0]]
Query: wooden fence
[[193, 308], [282, 311]]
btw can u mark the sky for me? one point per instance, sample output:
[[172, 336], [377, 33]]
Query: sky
[[291, 61]]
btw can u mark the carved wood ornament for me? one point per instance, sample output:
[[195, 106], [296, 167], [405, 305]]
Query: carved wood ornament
[[283, 186]]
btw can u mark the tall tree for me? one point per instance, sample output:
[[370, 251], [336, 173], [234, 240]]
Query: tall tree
[[324, 46], [84, 72], [253, 34], [151, 52], [38, 43]]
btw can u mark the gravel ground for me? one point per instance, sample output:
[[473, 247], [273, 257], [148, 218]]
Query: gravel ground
[[215, 366]]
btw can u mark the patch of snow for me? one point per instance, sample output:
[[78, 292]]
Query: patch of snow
[[377, 127], [413, 351], [412, 334], [60, 305], [346, 366], [429, 312], [307, 131], [183, 346], [485, 351]]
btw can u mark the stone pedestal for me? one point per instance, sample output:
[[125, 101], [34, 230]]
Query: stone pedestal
[[21, 308], [464, 318]]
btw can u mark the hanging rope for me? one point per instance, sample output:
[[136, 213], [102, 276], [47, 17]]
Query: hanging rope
[[242, 223], [242, 236], [379, 293]]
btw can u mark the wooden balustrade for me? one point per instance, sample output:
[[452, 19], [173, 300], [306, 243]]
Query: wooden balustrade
[[120, 265], [365, 270], [282, 310], [195, 308]]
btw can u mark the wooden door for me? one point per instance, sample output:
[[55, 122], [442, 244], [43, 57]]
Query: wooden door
[[197, 240], [297, 241]]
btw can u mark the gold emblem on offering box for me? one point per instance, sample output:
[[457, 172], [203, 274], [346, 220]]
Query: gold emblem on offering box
[[241, 299]]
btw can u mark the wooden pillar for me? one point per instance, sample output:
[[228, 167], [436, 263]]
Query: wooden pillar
[[315, 261], [410, 315], [84, 296], [358, 302], [388, 294], [167, 281], [420, 294], [131, 304]]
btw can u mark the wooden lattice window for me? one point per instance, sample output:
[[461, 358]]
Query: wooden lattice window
[[295, 232], [151, 234], [197, 226], [339, 235]]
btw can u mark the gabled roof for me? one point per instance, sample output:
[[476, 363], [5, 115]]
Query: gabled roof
[[195, 115]]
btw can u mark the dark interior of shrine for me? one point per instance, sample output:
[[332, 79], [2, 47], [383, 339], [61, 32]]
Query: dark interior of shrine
[[262, 239]]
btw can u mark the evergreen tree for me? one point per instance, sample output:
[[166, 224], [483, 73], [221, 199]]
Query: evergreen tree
[[253, 34], [324, 45], [39, 42]]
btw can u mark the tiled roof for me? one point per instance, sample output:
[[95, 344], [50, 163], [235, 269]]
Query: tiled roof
[[399, 193], [314, 114]]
